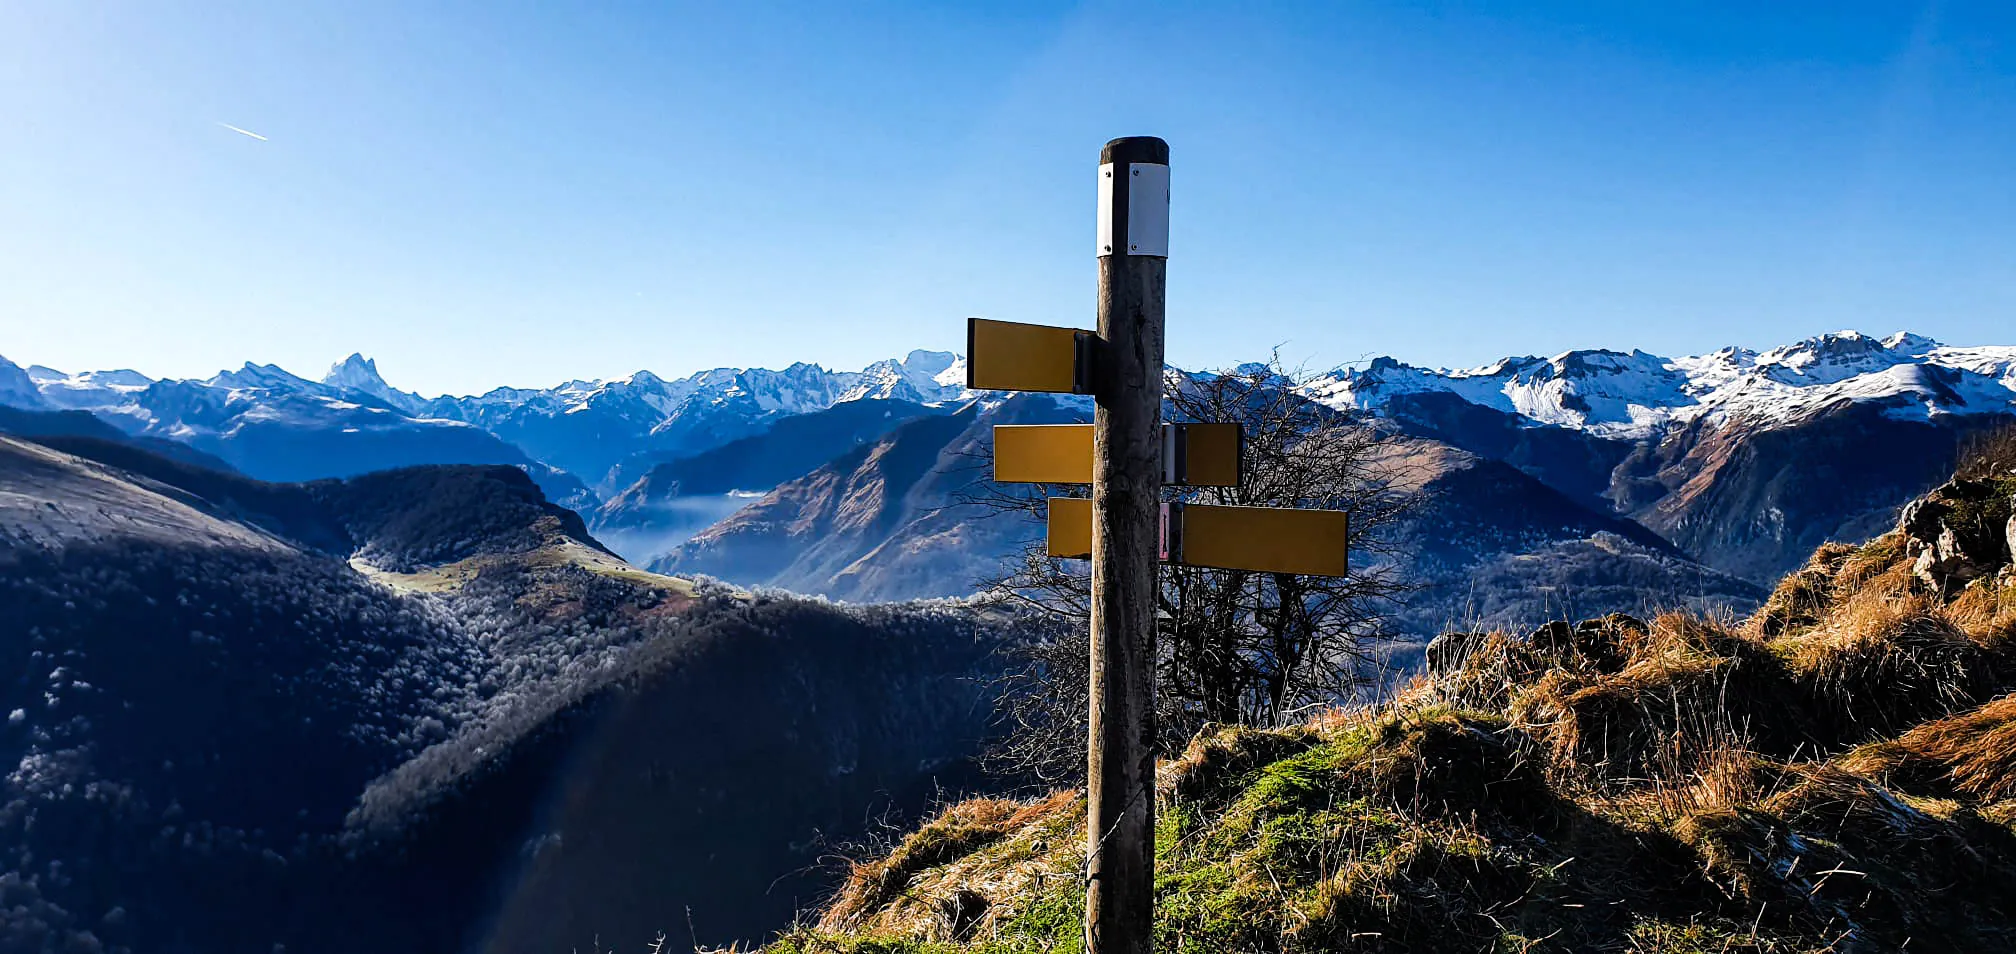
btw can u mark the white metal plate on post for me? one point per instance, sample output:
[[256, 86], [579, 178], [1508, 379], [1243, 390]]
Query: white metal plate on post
[[1147, 209], [1105, 237]]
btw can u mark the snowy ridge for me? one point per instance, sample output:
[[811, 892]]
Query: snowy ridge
[[18, 388], [585, 427], [926, 377], [1637, 394], [592, 427]]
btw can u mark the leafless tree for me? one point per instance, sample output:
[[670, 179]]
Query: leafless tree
[[1233, 646]]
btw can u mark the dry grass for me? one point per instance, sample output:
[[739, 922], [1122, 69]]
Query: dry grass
[[1688, 688], [1989, 455], [1986, 612], [1828, 775], [1804, 596], [1971, 755], [1839, 855], [964, 871]]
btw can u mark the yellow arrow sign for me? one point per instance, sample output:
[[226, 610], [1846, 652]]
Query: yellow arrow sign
[[1308, 542], [1266, 539], [1011, 356], [1201, 455], [1070, 529]]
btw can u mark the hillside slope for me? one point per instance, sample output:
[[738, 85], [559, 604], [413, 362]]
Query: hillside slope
[[880, 522], [671, 499], [1489, 545], [423, 710], [55, 426], [1835, 774]]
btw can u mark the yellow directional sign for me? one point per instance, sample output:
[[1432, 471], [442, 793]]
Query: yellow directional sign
[[1265, 539], [1011, 356], [1043, 453], [1307, 542], [1070, 533], [1201, 455]]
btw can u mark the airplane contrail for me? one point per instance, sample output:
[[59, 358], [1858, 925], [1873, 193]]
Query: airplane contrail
[[244, 132]]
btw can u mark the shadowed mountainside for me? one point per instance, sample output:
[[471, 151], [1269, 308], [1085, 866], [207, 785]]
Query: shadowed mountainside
[[674, 498], [424, 710]]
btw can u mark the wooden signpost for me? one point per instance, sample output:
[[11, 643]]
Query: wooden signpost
[[1127, 454]]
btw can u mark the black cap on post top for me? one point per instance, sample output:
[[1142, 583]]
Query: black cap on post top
[[1135, 149]]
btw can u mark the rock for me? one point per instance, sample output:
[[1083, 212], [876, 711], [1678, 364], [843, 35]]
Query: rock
[[1602, 640], [1554, 637], [1945, 562], [1448, 652], [1921, 518], [1955, 534]]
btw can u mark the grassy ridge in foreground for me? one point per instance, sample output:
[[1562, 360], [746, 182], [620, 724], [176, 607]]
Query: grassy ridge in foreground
[[1837, 773]]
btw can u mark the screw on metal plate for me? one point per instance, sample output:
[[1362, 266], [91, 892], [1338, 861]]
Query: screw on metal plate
[[1137, 172]]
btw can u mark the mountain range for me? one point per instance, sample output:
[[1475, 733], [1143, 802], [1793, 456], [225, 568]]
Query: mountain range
[[330, 666], [1728, 466]]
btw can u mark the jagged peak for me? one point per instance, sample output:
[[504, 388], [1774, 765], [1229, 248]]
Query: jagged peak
[[1844, 343], [355, 371], [1606, 361]]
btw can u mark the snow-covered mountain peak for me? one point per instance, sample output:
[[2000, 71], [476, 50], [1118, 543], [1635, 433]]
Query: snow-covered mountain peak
[[1636, 394], [17, 389], [259, 376], [360, 374], [928, 363], [1496, 369], [1906, 343], [88, 390], [1609, 391], [1832, 358], [643, 379], [923, 377], [356, 371]]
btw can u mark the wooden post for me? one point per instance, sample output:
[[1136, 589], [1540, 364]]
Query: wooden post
[[1126, 497]]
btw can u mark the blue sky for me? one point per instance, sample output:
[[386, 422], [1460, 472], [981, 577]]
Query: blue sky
[[495, 193]]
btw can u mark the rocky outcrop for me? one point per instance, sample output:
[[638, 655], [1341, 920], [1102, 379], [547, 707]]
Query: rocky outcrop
[[1602, 640], [1605, 641], [2009, 533], [1961, 532], [1449, 651]]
